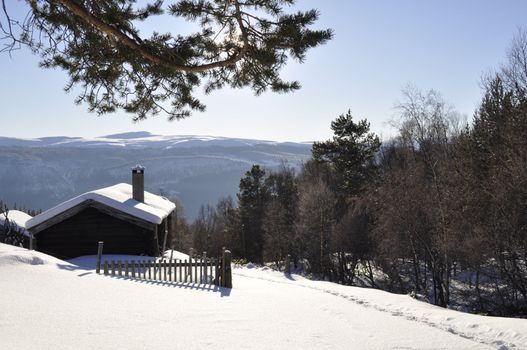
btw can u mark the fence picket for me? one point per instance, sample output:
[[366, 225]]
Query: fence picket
[[195, 270], [180, 270], [201, 270], [190, 270]]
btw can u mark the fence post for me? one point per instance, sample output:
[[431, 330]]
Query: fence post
[[227, 270], [99, 253], [31, 238], [191, 254], [180, 270], [287, 267], [106, 267], [222, 268], [204, 268]]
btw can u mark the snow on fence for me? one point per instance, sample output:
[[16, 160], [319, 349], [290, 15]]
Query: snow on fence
[[200, 270]]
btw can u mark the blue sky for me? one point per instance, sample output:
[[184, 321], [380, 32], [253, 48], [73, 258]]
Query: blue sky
[[378, 49]]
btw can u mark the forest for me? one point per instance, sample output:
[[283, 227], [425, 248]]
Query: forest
[[438, 211]]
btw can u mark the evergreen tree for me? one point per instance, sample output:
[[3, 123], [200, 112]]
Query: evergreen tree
[[98, 44], [280, 214], [252, 200], [349, 151]]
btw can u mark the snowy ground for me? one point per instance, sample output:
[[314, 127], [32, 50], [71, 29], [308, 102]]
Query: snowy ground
[[46, 303]]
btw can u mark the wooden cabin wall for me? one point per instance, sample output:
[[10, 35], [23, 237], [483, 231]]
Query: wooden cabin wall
[[80, 234]]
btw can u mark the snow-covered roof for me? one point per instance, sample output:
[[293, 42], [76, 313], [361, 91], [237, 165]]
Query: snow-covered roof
[[18, 217], [154, 209]]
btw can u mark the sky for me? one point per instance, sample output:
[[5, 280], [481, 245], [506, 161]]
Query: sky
[[379, 47]]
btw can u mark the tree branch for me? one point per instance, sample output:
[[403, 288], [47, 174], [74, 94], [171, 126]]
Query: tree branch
[[124, 39]]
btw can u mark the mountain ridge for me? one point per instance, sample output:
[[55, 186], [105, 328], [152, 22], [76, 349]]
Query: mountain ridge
[[139, 139], [41, 173]]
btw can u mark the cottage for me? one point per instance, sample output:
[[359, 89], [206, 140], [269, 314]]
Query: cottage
[[128, 219]]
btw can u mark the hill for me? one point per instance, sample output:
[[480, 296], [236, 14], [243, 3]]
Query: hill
[[40, 173], [52, 304]]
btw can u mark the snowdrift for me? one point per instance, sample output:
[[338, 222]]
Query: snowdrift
[[47, 303]]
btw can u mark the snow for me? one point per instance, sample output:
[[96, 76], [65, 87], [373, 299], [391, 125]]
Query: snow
[[47, 303], [154, 209], [18, 217], [174, 254], [143, 139]]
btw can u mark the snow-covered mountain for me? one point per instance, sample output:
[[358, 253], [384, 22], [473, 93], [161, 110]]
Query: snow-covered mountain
[[43, 172], [141, 139]]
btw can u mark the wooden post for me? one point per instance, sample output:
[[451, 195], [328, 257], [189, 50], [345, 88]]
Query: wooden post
[[196, 262], [204, 268], [165, 265], [287, 267], [99, 253], [119, 267], [113, 268], [106, 267], [185, 270], [149, 270], [227, 282], [191, 254], [190, 269], [31, 243], [181, 270], [133, 269], [222, 267]]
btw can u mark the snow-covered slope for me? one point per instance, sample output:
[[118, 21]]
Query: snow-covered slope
[[140, 139], [51, 304], [18, 217]]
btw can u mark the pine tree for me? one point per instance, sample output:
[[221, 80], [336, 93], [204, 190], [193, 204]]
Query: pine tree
[[350, 151], [280, 214], [252, 200], [98, 44]]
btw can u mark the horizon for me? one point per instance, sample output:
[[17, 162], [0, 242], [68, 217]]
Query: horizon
[[146, 134]]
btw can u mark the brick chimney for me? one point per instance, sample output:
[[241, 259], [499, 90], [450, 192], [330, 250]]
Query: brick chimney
[[138, 183]]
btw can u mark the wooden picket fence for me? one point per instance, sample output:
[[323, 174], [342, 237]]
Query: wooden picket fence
[[202, 270]]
